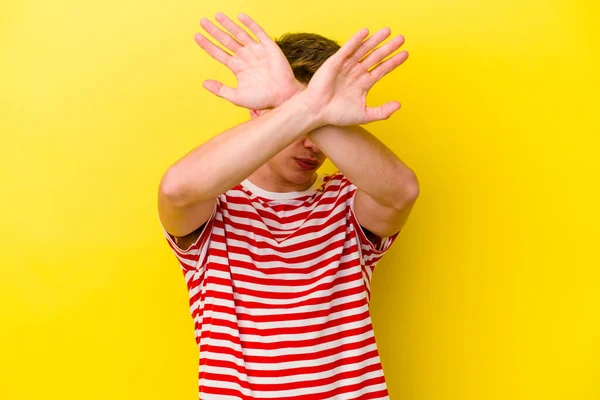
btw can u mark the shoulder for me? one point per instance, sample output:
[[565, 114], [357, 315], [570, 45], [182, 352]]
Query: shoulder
[[336, 181]]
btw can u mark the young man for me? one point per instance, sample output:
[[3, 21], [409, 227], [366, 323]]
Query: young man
[[277, 257]]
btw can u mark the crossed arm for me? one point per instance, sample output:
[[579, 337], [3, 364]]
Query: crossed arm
[[328, 111], [387, 188]]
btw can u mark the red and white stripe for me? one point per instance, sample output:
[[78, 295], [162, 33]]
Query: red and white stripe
[[279, 287]]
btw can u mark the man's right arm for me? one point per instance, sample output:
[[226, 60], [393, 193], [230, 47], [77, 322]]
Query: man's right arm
[[189, 188]]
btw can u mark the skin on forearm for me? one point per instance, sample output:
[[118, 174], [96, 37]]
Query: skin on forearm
[[367, 163], [230, 157]]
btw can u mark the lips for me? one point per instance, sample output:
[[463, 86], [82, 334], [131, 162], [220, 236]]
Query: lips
[[308, 161], [305, 165]]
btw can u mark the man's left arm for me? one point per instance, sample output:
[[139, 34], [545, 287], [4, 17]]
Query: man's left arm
[[387, 188]]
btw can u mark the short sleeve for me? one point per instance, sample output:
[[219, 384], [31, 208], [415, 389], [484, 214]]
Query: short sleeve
[[369, 252], [372, 249], [194, 257]]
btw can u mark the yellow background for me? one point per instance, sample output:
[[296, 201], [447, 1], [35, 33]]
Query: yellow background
[[491, 292]]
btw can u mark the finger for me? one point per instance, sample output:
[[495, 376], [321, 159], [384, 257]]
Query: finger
[[384, 111], [387, 66], [254, 27], [214, 51], [224, 38], [382, 52], [240, 34], [219, 89], [352, 44], [371, 43]]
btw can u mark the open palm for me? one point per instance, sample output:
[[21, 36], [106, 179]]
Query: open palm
[[265, 78], [339, 88]]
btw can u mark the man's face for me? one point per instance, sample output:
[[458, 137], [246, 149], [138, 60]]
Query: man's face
[[287, 163]]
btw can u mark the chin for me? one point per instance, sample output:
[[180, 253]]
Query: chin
[[301, 176]]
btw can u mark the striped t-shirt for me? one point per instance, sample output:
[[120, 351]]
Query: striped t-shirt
[[279, 289]]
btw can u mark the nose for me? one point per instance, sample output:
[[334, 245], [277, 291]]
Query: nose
[[311, 145]]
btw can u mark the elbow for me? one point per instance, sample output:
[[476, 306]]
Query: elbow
[[171, 189], [413, 187], [409, 191]]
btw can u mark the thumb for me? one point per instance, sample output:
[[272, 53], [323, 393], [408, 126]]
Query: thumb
[[219, 89], [384, 111]]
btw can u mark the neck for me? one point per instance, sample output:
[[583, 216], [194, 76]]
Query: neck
[[270, 181]]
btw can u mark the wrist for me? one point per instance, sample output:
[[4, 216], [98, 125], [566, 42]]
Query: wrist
[[300, 102], [293, 88]]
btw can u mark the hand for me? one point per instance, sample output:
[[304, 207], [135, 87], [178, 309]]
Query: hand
[[265, 78], [338, 90]]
